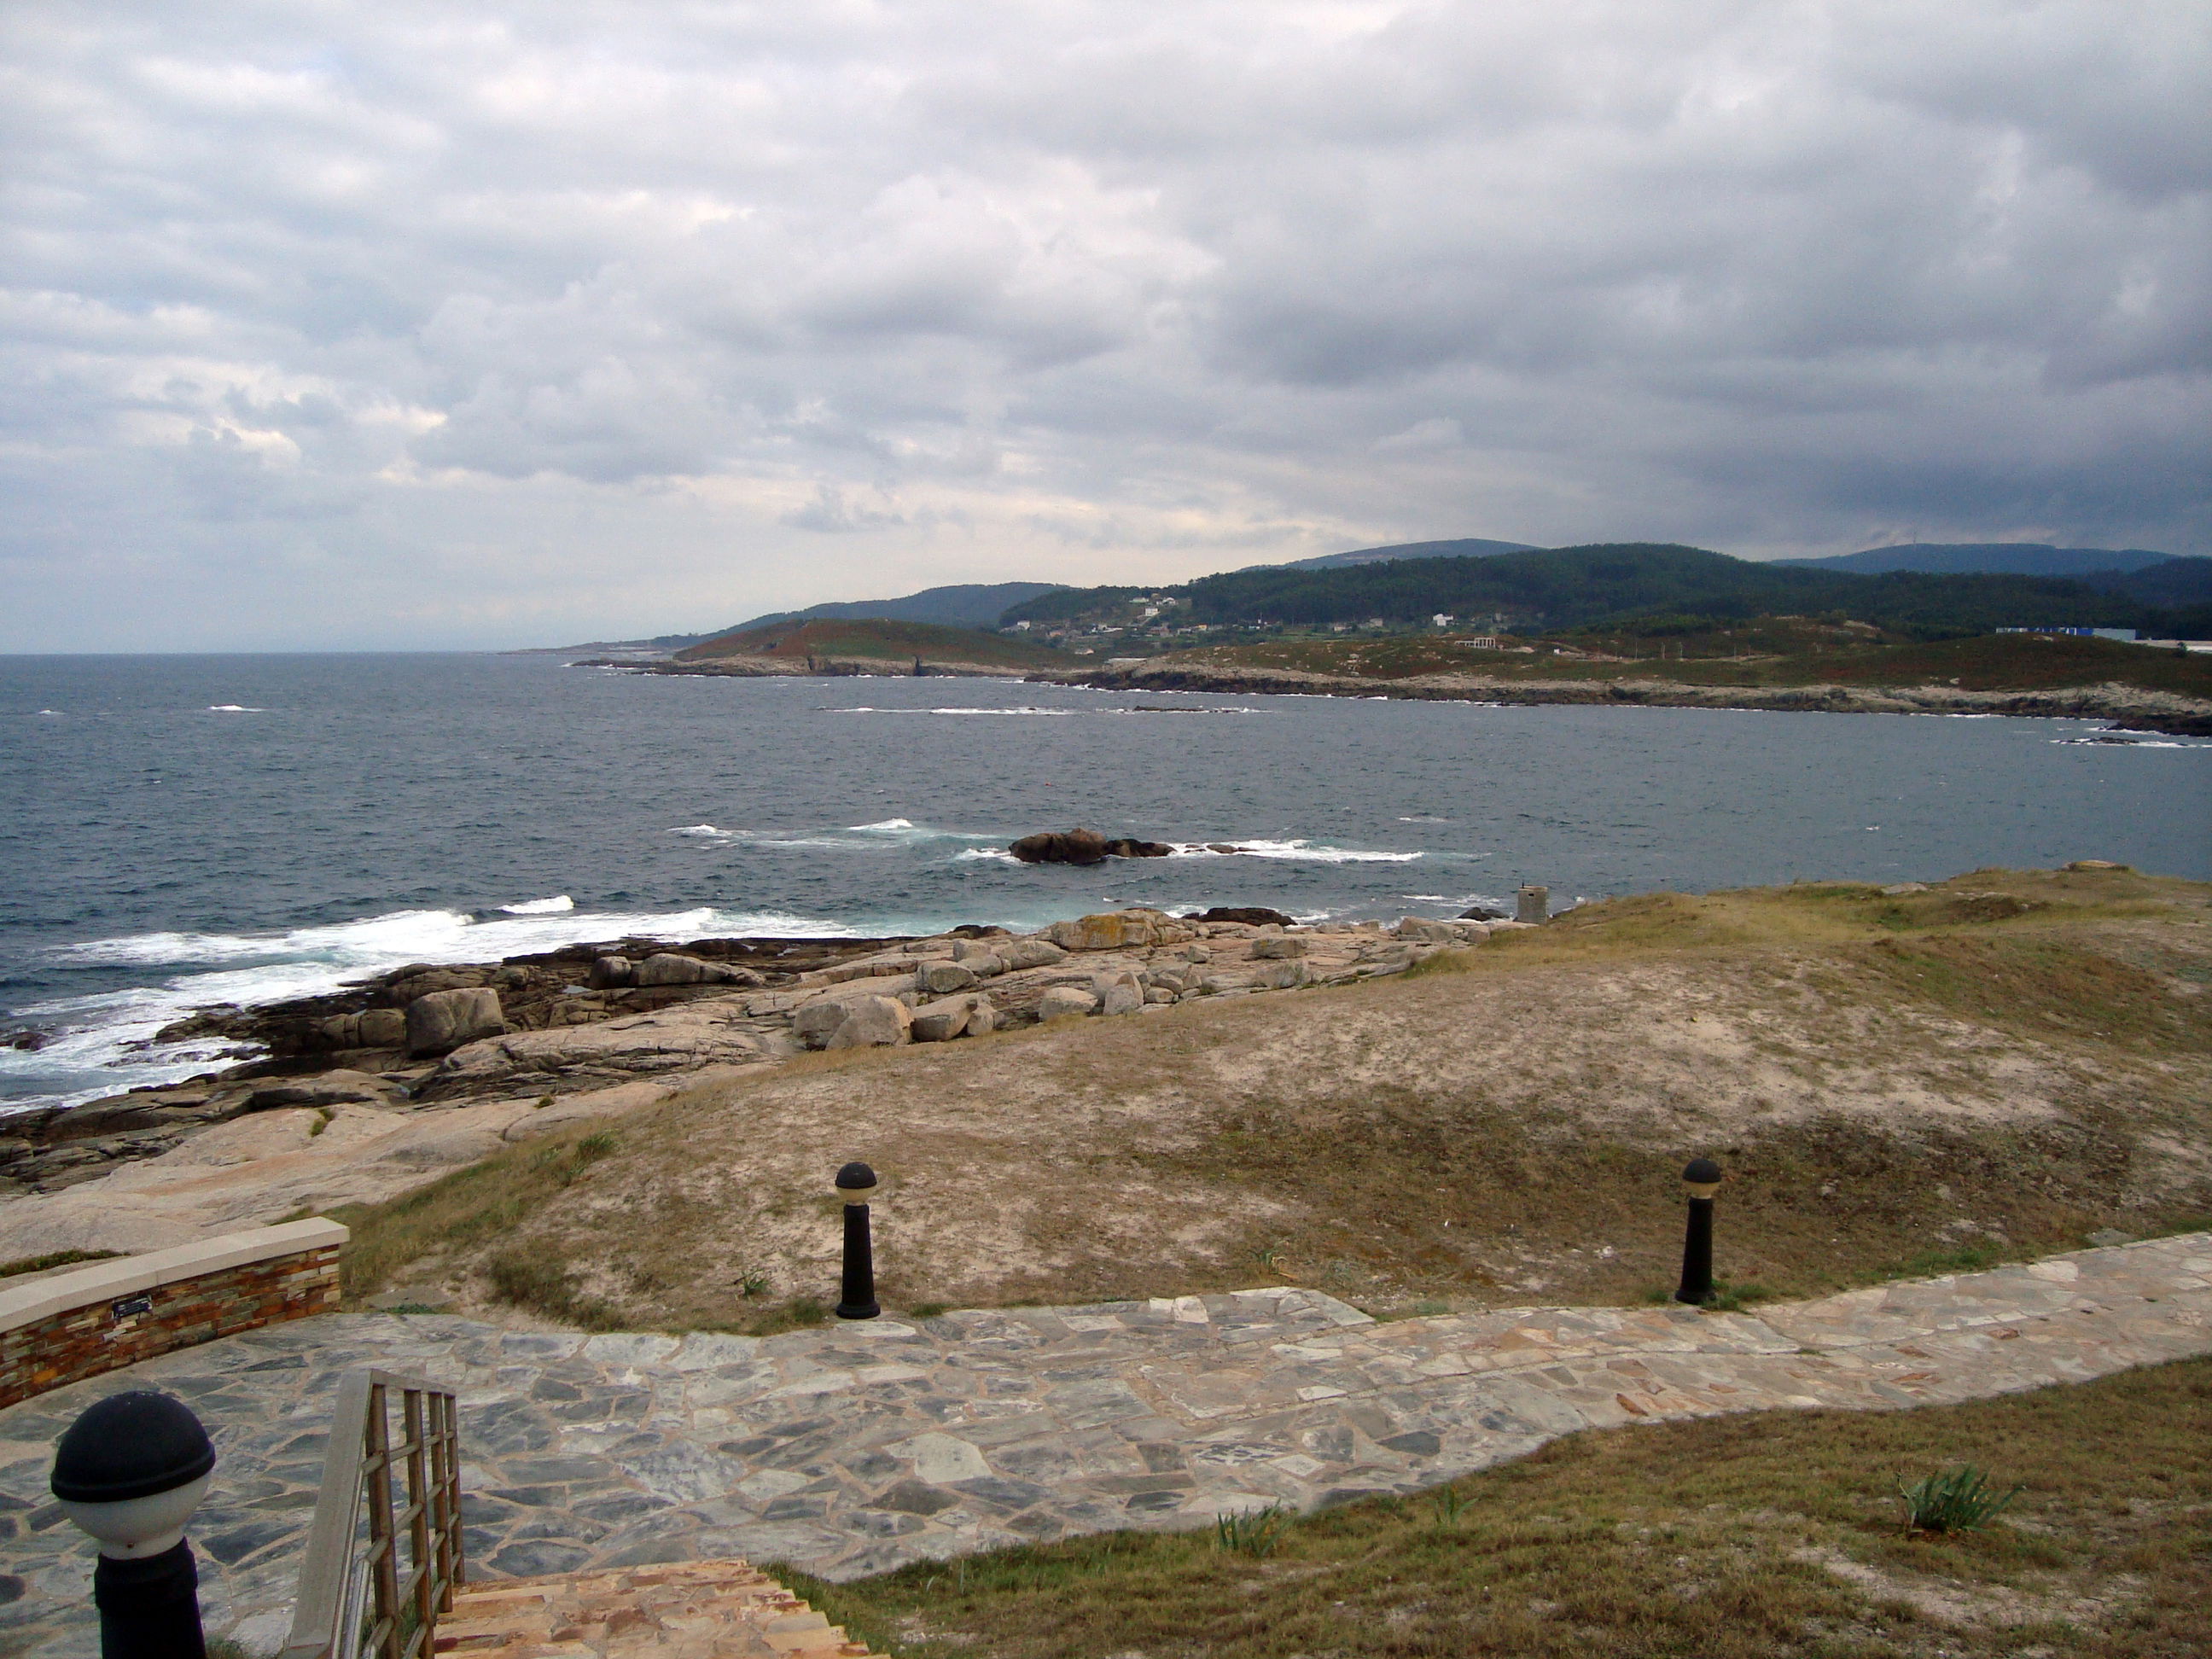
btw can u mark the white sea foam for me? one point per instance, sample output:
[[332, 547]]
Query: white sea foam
[[998, 855], [1297, 851], [703, 831], [2101, 742], [888, 826], [112, 1031], [234, 708]]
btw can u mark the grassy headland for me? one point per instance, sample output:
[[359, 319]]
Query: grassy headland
[[1991, 1068], [1766, 651], [839, 644]]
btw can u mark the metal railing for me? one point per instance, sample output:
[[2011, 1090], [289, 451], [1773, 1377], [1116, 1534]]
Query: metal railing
[[375, 1577]]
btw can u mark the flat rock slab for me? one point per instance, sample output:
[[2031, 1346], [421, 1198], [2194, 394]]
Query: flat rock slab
[[852, 1449]]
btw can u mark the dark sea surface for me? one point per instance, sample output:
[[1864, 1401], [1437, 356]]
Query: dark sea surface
[[184, 830]]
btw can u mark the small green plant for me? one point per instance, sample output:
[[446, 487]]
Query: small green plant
[[928, 1310], [544, 1100], [1255, 1533], [323, 1116], [752, 1282], [1430, 1309], [1446, 1502], [1957, 1500], [1735, 1298], [593, 1147]]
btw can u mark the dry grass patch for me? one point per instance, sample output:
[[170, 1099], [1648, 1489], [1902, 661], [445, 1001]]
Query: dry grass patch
[[1733, 1538]]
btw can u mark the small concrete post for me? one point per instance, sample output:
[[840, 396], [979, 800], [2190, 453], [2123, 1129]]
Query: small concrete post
[[1533, 904]]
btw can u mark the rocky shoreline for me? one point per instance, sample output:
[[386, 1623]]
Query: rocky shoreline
[[2124, 708], [509, 1049]]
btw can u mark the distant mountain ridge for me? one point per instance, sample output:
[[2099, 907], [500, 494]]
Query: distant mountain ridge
[[1466, 547], [1985, 559]]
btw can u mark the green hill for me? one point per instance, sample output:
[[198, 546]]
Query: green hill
[[1558, 588], [864, 638]]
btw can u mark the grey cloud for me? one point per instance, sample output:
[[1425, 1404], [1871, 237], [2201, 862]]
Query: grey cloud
[[431, 303]]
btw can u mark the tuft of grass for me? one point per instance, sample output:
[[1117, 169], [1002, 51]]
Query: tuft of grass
[[1956, 1500], [1721, 1538], [1255, 1533], [929, 1309], [38, 1264], [1957, 1259], [1446, 1505], [1730, 1298], [323, 1116]]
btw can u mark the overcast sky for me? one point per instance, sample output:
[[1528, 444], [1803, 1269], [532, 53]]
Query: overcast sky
[[391, 324]]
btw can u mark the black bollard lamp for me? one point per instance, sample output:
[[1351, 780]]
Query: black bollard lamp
[[856, 1185], [130, 1472], [1702, 1179]]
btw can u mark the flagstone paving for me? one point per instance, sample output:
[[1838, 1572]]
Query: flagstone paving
[[851, 1449]]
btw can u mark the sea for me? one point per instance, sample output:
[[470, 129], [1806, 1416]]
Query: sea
[[185, 830]]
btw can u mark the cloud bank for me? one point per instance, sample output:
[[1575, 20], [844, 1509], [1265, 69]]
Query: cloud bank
[[342, 325]]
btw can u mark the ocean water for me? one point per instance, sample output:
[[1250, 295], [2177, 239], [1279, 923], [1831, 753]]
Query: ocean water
[[185, 830]]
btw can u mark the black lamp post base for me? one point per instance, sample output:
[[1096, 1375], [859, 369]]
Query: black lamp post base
[[1697, 1286], [150, 1605], [857, 1293]]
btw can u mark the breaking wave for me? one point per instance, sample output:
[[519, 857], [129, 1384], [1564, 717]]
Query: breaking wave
[[112, 1031]]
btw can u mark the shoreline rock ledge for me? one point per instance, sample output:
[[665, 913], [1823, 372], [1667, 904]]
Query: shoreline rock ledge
[[1080, 846]]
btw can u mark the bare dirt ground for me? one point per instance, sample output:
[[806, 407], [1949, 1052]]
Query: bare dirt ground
[[1995, 1065]]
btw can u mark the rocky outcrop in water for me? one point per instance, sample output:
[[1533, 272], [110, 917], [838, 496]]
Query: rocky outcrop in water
[[1084, 847]]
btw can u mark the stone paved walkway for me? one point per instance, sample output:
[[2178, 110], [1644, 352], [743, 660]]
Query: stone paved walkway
[[855, 1448]]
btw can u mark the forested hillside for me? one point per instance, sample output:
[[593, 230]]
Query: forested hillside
[[1574, 587]]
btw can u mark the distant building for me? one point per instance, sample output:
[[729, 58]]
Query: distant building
[[1442, 619]]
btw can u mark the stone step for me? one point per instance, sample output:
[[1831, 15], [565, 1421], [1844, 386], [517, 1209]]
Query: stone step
[[674, 1610]]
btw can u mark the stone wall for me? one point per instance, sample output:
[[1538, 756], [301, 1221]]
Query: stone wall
[[65, 1327]]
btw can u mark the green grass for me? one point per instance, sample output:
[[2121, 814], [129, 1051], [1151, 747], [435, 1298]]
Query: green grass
[[1717, 1538], [35, 1264]]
